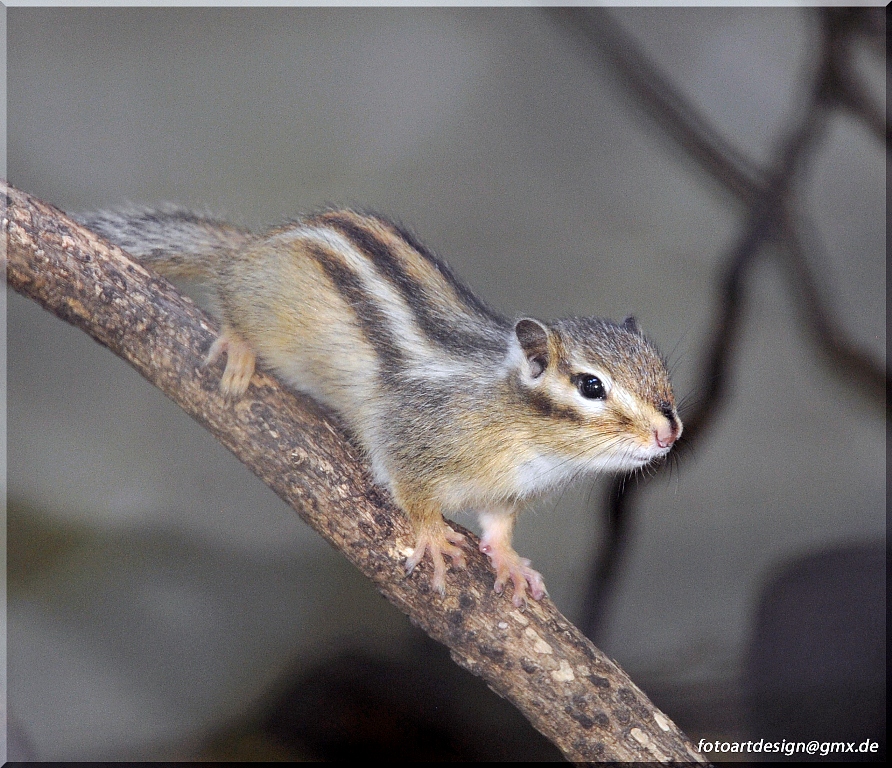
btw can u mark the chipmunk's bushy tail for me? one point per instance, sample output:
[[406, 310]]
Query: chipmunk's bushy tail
[[171, 240]]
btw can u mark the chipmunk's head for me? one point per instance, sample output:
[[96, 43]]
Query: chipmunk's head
[[597, 393]]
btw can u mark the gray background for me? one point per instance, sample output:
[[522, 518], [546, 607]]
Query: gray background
[[157, 589]]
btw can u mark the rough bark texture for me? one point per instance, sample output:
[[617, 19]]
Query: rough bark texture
[[567, 688]]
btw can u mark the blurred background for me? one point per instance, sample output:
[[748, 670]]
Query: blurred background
[[164, 604]]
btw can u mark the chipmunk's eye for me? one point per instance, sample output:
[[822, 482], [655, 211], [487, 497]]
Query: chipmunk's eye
[[590, 386]]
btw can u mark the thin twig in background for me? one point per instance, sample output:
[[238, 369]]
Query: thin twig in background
[[768, 195], [845, 358], [843, 85], [663, 101]]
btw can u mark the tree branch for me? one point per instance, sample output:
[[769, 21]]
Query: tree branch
[[566, 687]]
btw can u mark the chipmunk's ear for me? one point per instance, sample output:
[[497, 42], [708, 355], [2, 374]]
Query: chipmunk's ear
[[533, 338], [631, 324]]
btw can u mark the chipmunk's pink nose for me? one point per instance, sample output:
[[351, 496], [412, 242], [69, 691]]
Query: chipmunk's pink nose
[[664, 438], [666, 434]]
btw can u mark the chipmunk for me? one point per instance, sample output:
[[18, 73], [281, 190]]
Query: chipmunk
[[456, 407]]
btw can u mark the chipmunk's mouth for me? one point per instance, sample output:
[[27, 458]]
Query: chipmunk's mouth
[[642, 461], [626, 459], [643, 455]]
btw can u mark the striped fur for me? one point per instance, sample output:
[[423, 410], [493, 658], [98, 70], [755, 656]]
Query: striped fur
[[456, 406]]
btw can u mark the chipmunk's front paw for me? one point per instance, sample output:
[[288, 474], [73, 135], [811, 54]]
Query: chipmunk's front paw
[[510, 566], [439, 540]]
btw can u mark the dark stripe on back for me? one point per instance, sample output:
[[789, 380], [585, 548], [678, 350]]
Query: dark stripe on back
[[435, 325], [375, 326], [471, 300]]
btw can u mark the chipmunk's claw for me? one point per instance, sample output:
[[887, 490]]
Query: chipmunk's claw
[[509, 566], [439, 542]]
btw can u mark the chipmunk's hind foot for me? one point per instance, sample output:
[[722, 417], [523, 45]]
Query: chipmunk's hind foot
[[240, 362]]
